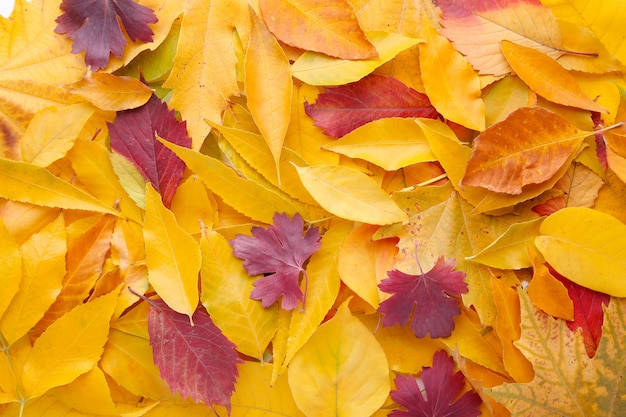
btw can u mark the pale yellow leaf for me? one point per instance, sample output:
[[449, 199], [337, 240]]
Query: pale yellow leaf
[[112, 92], [129, 177]]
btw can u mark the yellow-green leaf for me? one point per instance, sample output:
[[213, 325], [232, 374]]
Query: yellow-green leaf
[[351, 194], [319, 69], [172, 256], [129, 178], [70, 347], [11, 267], [341, 371], [112, 92], [586, 246]]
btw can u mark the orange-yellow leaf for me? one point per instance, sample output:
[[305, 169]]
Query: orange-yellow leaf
[[548, 293], [111, 92], [11, 265], [89, 393], [528, 147], [192, 203], [323, 26], [547, 77]]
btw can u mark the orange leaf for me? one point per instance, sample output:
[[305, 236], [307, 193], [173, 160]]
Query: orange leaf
[[327, 26], [528, 147]]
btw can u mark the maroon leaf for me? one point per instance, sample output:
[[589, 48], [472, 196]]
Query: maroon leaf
[[94, 26], [198, 361], [133, 136], [442, 387], [429, 294], [340, 110], [588, 312], [596, 118], [279, 252]]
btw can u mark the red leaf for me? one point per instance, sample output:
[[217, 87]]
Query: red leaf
[[133, 136], [279, 252], [442, 387], [94, 26], [550, 206], [429, 294], [340, 110], [588, 312], [596, 118], [197, 361]]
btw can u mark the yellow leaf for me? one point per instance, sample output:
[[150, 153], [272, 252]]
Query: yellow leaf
[[351, 194], [111, 92], [43, 269], [585, 246], [89, 394], [504, 97], [70, 347], [29, 183], [11, 266], [129, 177], [319, 69], [391, 144], [51, 133], [191, 204], [547, 77], [23, 219], [226, 288], [342, 370], [450, 82], [172, 256], [268, 86]]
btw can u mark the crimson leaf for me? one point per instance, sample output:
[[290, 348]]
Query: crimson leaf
[[429, 294], [133, 136], [279, 252], [442, 387], [94, 26], [197, 361], [342, 109]]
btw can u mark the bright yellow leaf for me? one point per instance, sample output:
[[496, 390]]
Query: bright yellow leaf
[[89, 394], [172, 256], [342, 370], [111, 92], [192, 204], [504, 97]]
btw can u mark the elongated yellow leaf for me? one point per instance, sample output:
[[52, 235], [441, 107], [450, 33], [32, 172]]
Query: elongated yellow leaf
[[341, 371], [43, 268], [29, 183], [268, 86], [11, 267], [172, 256], [226, 288], [112, 92], [389, 143], [586, 246], [319, 69], [51, 133], [351, 194], [70, 347]]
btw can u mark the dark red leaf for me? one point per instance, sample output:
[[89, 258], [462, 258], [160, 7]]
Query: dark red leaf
[[133, 136], [596, 118], [279, 252], [198, 361], [429, 294], [94, 26], [588, 312], [442, 389], [340, 110]]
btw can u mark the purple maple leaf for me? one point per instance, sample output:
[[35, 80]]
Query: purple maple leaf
[[94, 26], [442, 387], [279, 252], [429, 294], [198, 361], [133, 136]]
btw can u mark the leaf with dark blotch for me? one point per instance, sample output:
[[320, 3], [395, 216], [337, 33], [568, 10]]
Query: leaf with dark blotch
[[198, 361], [442, 387], [340, 110], [133, 136], [96, 27], [279, 252], [431, 296]]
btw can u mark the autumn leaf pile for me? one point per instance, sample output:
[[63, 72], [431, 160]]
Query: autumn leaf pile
[[313, 208]]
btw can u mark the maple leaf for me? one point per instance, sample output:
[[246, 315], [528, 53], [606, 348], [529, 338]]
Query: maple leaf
[[96, 27], [279, 252], [429, 293], [133, 136], [197, 361], [340, 110], [442, 389]]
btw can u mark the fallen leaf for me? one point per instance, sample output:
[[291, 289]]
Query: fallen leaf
[[11, 262], [441, 395], [428, 297], [340, 110], [111, 92]]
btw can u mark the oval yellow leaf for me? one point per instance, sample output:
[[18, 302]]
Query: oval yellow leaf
[[112, 92], [587, 247], [341, 371], [172, 256], [351, 194]]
